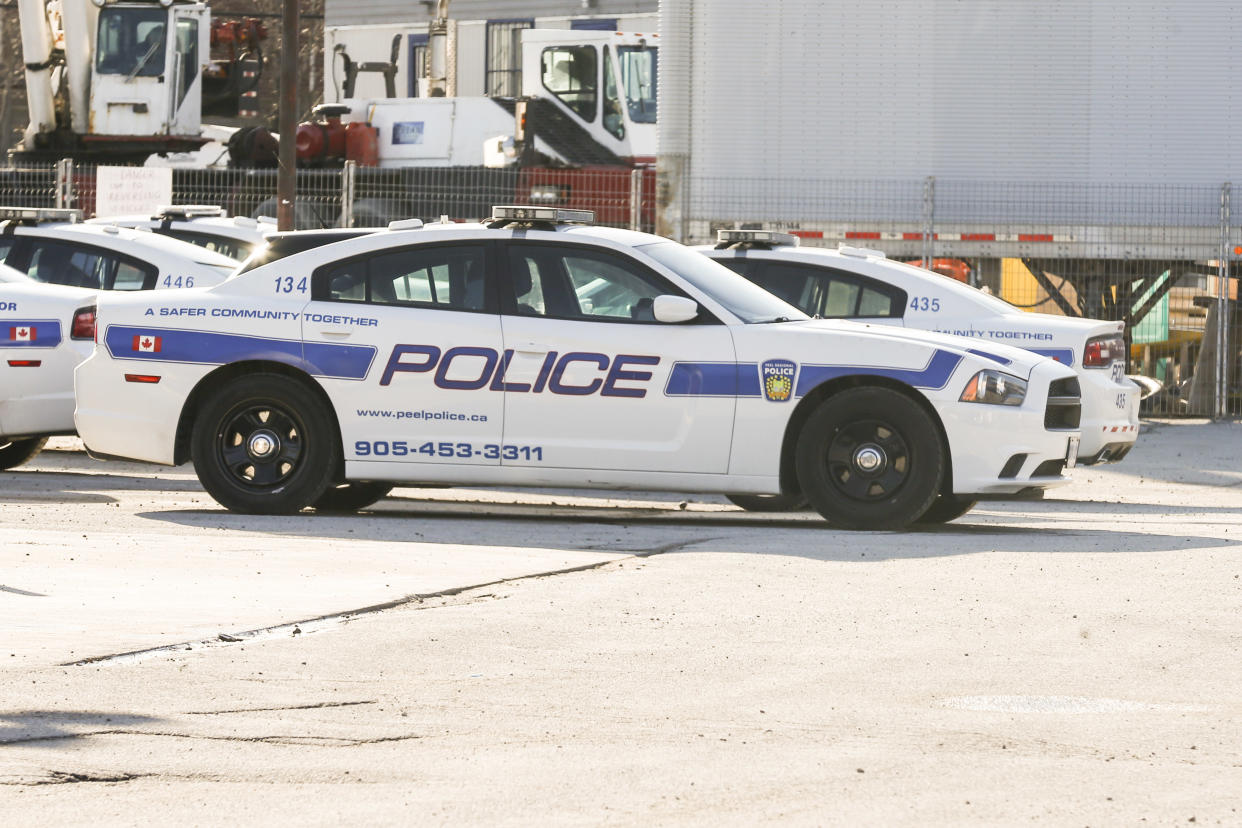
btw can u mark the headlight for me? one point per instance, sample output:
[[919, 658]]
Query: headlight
[[995, 388]]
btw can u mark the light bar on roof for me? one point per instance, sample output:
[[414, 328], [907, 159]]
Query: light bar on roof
[[190, 211], [551, 214], [39, 214], [759, 236]]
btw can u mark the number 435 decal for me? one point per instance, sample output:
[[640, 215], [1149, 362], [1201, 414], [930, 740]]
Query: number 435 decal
[[923, 303]]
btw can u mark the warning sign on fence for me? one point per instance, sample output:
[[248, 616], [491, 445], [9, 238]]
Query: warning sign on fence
[[121, 191]]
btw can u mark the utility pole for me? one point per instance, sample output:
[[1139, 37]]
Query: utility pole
[[286, 176]]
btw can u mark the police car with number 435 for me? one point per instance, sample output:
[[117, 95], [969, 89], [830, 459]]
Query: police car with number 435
[[534, 349]]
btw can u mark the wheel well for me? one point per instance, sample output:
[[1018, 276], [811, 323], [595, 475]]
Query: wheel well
[[808, 404], [217, 379]]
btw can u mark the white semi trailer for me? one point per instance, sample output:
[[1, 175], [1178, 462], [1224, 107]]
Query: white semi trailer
[[1092, 142]]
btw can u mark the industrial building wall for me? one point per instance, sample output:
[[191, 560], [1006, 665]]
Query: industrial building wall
[[352, 13]]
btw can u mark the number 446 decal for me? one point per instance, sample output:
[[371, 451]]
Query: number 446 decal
[[923, 303], [287, 284]]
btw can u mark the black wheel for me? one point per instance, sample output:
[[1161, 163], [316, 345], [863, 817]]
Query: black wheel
[[349, 497], [16, 452], [265, 445], [770, 503], [946, 508], [870, 458]]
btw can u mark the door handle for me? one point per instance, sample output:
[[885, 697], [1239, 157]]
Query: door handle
[[531, 348], [339, 334]]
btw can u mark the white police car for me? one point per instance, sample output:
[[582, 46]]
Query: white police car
[[861, 284], [47, 315], [45, 331], [529, 350], [56, 247], [207, 226]]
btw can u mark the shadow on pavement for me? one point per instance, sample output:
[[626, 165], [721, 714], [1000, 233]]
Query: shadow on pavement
[[649, 530], [41, 726]]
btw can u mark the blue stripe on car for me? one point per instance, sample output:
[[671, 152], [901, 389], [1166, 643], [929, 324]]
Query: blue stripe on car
[[936, 375], [713, 379], [741, 379], [992, 357], [1065, 356], [207, 348], [47, 333]]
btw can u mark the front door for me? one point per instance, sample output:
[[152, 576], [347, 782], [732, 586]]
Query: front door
[[592, 381]]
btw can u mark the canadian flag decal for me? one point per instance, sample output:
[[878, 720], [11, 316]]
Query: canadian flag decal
[[148, 344], [22, 334]]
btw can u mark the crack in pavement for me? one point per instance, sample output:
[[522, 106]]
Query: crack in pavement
[[320, 622], [275, 739], [316, 706], [69, 778]]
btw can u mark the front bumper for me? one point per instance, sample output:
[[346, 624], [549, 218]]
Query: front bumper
[[1001, 450]]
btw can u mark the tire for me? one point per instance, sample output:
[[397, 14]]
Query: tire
[[17, 452], [946, 508], [858, 427], [350, 497], [769, 503], [269, 412]]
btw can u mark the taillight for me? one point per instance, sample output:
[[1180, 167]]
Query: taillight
[[1103, 351], [83, 324]]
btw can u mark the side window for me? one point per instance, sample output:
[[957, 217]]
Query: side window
[[449, 277], [613, 120], [6, 247], [569, 73], [796, 285], [830, 293], [187, 55], [576, 283], [57, 263], [128, 276]]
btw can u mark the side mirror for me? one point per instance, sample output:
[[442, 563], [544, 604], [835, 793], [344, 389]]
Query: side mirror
[[674, 309]]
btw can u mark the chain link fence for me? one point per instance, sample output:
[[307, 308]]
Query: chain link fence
[[1160, 258]]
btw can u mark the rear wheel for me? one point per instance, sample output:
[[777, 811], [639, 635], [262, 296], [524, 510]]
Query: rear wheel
[[870, 458], [264, 444], [946, 508], [349, 497], [16, 452], [769, 503]]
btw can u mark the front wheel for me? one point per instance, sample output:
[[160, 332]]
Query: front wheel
[[769, 503], [16, 452], [350, 497], [870, 458], [264, 444], [946, 508]]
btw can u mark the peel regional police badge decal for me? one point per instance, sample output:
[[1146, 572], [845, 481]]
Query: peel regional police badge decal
[[777, 376]]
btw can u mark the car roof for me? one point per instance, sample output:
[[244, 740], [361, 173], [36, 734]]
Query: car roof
[[111, 236]]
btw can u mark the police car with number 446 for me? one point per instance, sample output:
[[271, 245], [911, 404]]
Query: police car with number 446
[[534, 349]]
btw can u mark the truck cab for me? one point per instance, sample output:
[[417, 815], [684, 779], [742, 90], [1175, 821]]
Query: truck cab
[[147, 72], [604, 81]]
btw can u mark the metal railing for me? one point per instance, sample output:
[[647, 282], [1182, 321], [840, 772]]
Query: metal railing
[[1160, 257]]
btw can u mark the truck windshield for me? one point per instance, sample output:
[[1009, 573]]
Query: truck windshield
[[131, 42], [744, 299], [638, 76]]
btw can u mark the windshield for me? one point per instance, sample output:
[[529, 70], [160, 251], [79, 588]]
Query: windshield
[[745, 300], [131, 42], [638, 77]]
